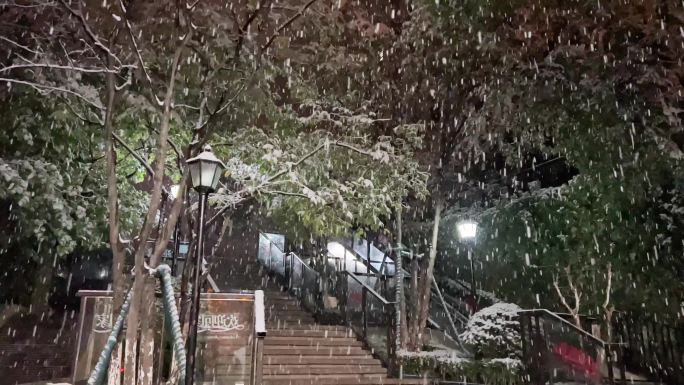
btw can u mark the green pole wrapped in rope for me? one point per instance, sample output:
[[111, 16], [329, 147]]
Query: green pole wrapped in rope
[[163, 272], [100, 370]]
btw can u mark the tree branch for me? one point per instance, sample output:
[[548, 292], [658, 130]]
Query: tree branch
[[57, 66], [608, 286], [42, 88], [135, 44], [281, 28], [139, 158], [560, 294], [245, 26], [19, 45], [89, 31]]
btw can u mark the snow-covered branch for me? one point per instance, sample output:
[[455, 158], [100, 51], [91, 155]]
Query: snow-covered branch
[[46, 89], [283, 26], [61, 67]]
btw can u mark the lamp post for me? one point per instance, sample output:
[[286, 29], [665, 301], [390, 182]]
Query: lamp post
[[205, 171], [467, 232]]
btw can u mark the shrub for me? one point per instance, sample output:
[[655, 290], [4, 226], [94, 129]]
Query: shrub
[[494, 332]]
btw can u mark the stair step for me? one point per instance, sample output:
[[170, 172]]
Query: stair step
[[303, 379], [343, 380], [310, 333], [319, 360], [304, 341], [270, 370], [288, 316], [315, 350], [290, 324], [302, 326]]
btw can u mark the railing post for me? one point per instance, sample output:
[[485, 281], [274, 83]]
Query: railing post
[[390, 342], [524, 339], [538, 359], [291, 274], [609, 363], [342, 294], [259, 334], [364, 316], [270, 255], [621, 364]]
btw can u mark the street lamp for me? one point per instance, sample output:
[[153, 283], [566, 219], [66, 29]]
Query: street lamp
[[205, 171], [467, 232]]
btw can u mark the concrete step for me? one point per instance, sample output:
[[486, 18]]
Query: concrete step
[[272, 359], [304, 341], [333, 379], [315, 350], [290, 324], [311, 333], [270, 370], [302, 326]]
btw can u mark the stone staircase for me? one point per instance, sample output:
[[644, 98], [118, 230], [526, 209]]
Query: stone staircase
[[35, 348], [298, 351]]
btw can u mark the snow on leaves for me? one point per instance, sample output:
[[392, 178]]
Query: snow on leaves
[[493, 331]]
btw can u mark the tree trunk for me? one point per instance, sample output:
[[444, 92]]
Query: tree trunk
[[147, 328], [118, 257], [41, 287], [413, 305], [401, 298], [421, 301], [155, 202]]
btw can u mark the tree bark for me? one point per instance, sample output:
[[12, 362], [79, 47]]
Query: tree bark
[[148, 224], [401, 298], [608, 309], [412, 310], [118, 257], [574, 311], [424, 284]]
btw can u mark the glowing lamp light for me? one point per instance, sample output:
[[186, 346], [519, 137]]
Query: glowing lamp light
[[467, 230], [206, 170]]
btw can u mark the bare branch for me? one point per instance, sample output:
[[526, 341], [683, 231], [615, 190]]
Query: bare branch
[[608, 286], [245, 26], [350, 147], [137, 156], [221, 108], [282, 27], [71, 109], [45, 89], [575, 292], [86, 27], [57, 66], [19, 45], [135, 43], [560, 294], [38, 5], [284, 193]]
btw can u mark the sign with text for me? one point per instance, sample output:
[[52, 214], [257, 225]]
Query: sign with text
[[224, 344], [225, 338], [95, 324]]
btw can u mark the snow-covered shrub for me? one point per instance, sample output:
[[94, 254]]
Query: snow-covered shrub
[[494, 332], [497, 371], [450, 365]]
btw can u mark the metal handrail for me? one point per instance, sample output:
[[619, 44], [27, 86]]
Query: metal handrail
[[291, 253], [570, 325], [535, 362], [370, 289], [295, 256], [259, 335]]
